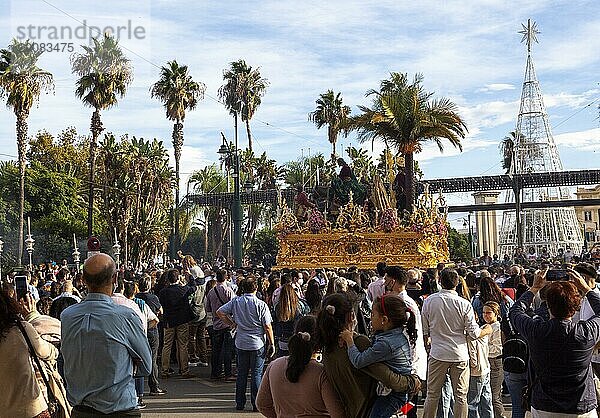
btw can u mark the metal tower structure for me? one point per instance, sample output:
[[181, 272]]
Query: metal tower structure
[[534, 151]]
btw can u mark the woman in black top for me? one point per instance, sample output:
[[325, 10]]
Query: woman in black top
[[560, 349]]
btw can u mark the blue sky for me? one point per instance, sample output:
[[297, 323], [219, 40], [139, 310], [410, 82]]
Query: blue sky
[[467, 51]]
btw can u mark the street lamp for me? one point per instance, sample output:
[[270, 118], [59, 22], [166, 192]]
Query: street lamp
[[29, 245], [228, 151], [76, 254], [117, 252]]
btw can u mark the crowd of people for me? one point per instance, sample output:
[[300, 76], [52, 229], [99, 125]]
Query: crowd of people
[[321, 342]]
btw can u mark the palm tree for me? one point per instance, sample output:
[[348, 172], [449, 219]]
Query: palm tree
[[507, 149], [22, 82], [405, 116], [242, 92], [209, 179], [104, 74], [179, 94], [331, 112]]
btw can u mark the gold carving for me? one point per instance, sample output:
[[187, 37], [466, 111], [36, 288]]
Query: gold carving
[[419, 241]]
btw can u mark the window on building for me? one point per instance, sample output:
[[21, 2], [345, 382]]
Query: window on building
[[587, 215]]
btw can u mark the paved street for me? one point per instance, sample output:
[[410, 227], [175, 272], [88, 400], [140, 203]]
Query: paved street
[[201, 397], [196, 397]]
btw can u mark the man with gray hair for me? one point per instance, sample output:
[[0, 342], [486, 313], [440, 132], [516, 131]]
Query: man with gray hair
[[104, 347]]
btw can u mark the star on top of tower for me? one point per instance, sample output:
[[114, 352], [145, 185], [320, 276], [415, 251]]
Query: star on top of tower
[[529, 33]]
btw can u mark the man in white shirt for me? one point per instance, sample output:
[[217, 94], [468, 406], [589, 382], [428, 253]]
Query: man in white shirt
[[447, 320], [396, 279], [377, 288]]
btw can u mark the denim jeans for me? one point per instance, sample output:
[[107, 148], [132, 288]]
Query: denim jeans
[[479, 397], [446, 404], [515, 383], [248, 362], [139, 386], [153, 341], [386, 406], [221, 352]]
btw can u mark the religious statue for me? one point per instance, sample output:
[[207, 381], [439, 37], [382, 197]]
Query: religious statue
[[303, 205], [345, 183]]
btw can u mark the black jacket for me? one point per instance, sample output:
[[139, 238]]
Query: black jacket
[[176, 305], [560, 353]]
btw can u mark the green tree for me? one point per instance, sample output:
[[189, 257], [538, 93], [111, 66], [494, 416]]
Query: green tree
[[405, 116], [242, 92], [458, 246], [179, 94], [209, 180], [332, 112], [67, 153], [264, 242], [137, 194], [104, 74], [21, 83]]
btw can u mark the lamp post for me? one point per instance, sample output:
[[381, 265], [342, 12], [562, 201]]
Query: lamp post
[[29, 243], [76, 254], [227, 150], [117, 252]]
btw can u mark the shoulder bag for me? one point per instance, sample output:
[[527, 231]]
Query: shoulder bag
[[54, 407]]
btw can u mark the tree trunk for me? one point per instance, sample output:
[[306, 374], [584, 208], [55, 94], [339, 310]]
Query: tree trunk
[[249, 134], [409, 180], [177, 145], [96, 128], [22, 149]]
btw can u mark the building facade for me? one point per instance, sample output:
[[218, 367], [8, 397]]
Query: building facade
[[589, 216]]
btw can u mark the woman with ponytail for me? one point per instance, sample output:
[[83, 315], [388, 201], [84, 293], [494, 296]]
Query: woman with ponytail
[[296, 385], [356, 387]]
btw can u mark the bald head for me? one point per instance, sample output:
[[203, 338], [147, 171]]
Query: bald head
[[99, 270]]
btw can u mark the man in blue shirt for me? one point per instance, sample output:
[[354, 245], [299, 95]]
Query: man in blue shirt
[[104, 346], [252, 318]]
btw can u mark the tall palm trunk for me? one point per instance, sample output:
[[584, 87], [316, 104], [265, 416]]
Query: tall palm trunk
[[409, 180], [96, 128], [22, 149], [177, 145], [249, 134], [332, 138]]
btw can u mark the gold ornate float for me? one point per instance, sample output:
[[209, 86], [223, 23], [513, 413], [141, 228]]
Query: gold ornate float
[[362, 240]]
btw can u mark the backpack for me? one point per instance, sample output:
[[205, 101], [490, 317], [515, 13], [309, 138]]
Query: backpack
[[515, 352]]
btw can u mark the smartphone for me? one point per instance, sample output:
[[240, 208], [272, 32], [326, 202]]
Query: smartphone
[[21, 286], [557, 274]]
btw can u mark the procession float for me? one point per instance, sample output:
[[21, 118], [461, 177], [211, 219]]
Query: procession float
[[363, 234]]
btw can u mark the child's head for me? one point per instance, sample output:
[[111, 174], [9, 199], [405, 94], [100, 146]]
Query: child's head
[[491, 312], [390, 311]]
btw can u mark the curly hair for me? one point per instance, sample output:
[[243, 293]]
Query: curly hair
[[9, 313]]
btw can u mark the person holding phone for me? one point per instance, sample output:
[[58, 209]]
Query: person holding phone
[[567, 387], [20, 395]]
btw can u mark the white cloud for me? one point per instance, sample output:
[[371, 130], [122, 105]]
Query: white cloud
[[496, 87], [588, 140]]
